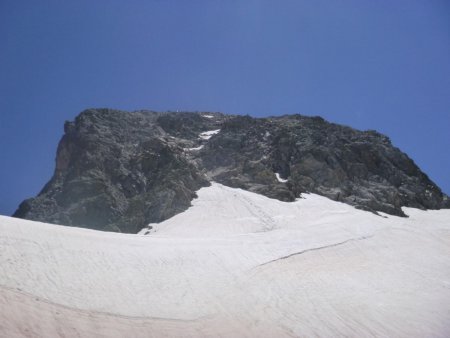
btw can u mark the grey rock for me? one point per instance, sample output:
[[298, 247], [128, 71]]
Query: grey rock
[[119, 171]]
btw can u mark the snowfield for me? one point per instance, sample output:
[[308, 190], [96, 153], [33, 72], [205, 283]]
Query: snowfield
[[235, 264]]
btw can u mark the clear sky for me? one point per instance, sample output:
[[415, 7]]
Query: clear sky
[[381, 65]]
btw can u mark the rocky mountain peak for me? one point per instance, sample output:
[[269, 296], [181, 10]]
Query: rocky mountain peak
[[119, 171]]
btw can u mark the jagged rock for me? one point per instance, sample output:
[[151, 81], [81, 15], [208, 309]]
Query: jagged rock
[[359, 168], [115, 171], [119, 171]]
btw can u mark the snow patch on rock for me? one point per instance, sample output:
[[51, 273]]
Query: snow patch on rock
[[282, 180], [194, 149], [206, 135]]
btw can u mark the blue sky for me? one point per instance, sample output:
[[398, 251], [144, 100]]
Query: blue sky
[[381, 65]]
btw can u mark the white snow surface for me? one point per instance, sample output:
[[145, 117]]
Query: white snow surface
[[282, 180], [206, 135], [193, 149], [235, 264]]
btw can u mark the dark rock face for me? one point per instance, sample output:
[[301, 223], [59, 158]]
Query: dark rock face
[[115, 171], [119, 171]]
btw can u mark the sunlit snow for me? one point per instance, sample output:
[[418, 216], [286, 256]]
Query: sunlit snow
[[234, 264], [208, 134], [196, 148], [282, 180]]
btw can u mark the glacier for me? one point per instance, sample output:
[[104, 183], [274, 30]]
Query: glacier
[[235, 264]]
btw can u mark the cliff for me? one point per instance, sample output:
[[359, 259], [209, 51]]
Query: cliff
[[119, 171]]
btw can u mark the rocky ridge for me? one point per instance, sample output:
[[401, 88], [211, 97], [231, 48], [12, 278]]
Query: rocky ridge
[[119, 171]]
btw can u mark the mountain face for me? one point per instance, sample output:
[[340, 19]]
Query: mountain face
[[120, 171]]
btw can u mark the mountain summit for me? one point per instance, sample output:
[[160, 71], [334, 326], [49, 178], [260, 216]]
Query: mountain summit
[[120, 171]]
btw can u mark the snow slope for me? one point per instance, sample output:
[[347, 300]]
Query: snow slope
[[235, 264]]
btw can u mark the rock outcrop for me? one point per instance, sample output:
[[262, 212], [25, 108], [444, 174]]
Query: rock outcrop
[[119, 171]]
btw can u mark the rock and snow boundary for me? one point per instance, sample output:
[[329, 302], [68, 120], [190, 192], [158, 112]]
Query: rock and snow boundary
[[208, 134], [234, 264]]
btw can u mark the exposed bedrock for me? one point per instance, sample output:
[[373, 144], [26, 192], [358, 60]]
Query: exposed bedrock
[[119, 171]]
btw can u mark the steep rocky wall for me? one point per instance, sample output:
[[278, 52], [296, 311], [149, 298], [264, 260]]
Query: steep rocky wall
[[119, 171]]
